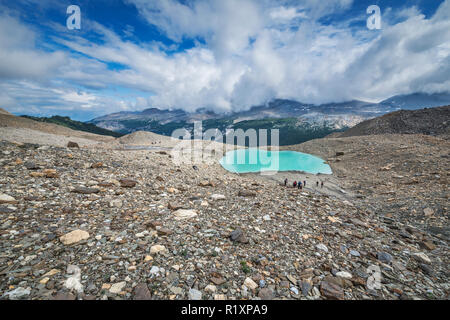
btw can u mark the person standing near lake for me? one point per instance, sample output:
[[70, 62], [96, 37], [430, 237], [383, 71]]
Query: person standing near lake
[[295, 184], [285, 182], [317, 184], [304, 183], [321, 184]]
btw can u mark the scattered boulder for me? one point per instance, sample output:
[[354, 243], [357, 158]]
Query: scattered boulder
[[331, 291], [4, 198], [73, 282], [426, 269], [206, 184], [246, 193], [217, 279], [344, 274], [31, 165], [182, 214], [157, 248], [217, 197], [428, 212], [194, 294], [175, 206], [117, 287], [72, 145], [127, 183], [322, 247], [97, 165], [238, 236], [429, 245], [305, 287], [50, 173], [84, 190], [37, 174], [210, 288], [384, 257], [422, 257], [250, 284], [18, 293], [74, 237], [141, 292], [163, 231], [116, 203], [266, 294]]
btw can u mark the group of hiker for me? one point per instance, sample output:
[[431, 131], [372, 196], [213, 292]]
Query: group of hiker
[[300, 185]]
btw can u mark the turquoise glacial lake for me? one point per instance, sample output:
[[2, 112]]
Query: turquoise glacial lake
[[257, 160]]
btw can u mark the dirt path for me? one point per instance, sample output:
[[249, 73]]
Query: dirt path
[[332, 185]]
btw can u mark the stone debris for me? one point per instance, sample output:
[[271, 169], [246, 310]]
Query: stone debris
[[331, 291], [79, 232]]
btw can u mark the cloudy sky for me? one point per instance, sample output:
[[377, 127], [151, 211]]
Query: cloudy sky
[[222, 55]]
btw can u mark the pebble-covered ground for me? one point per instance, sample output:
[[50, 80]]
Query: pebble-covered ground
[[101, 224]]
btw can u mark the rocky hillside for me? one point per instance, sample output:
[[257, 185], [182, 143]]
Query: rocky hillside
[[3, 111], [20, 129], [433, 121], [98, 224]]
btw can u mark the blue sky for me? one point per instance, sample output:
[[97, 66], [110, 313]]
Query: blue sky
[[222, 55]]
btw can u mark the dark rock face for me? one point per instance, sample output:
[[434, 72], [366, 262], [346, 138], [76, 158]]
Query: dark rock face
[[433, 121]]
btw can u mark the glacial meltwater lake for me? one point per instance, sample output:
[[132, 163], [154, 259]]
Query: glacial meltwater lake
[[257, 160]]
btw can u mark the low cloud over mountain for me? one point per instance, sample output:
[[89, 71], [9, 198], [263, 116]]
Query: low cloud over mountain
[[219, 55]]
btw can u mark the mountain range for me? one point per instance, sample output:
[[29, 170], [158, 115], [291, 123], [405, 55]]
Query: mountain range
[[298, 122]]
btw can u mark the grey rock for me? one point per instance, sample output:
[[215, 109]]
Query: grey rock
[[384, 257]]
